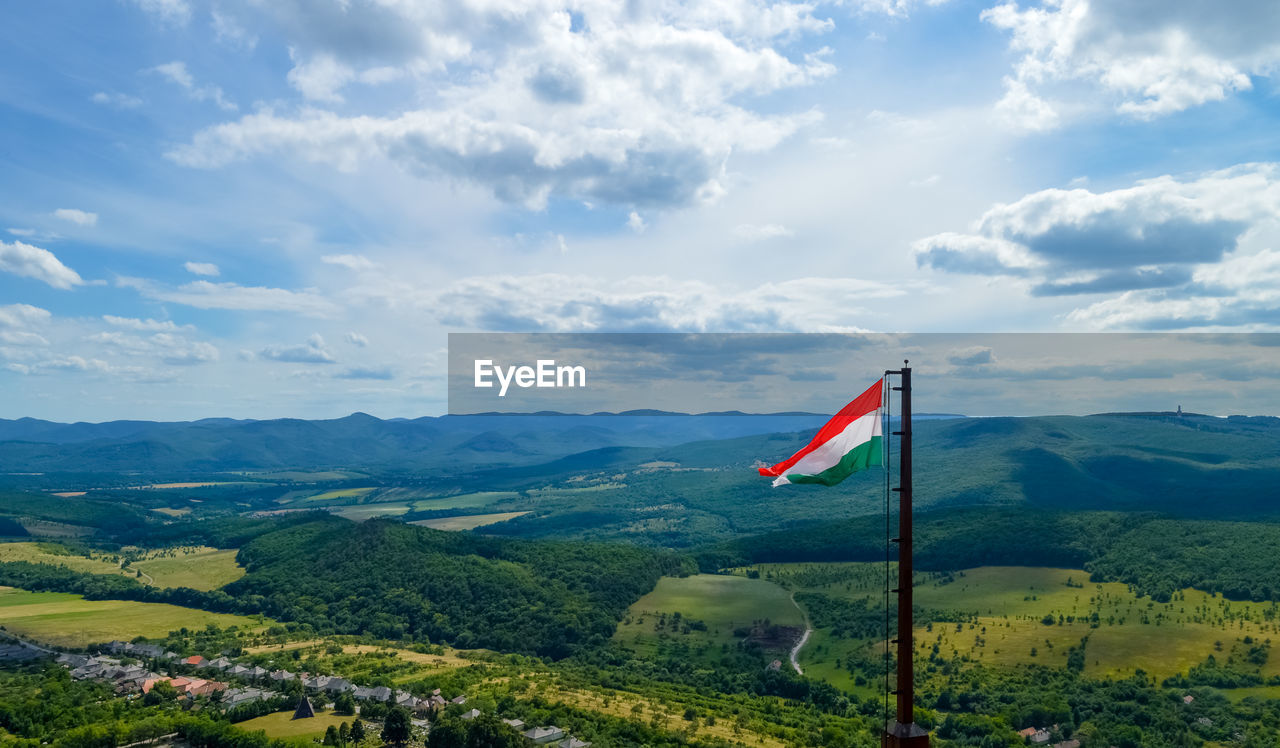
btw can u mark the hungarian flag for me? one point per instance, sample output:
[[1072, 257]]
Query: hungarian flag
[[848, 443]]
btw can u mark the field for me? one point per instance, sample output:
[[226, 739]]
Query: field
[[468, 522], [361, 512], [198, 568], [342, 493], [722, 603], [464, 501], [71, 621], [1027, 615], [42, 553], [282, 725]]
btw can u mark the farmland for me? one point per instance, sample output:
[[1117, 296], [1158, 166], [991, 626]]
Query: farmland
[[469, 521], [71, 621]]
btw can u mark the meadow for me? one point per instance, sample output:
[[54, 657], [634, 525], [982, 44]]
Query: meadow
[[67, 620], [703, 611], [1005, 616], [283, 726], [468, 522], [200, 568]]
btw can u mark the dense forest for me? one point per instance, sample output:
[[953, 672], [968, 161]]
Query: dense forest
[[398, 581]]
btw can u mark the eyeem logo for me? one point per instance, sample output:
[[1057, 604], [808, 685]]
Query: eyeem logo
[[544, 374]]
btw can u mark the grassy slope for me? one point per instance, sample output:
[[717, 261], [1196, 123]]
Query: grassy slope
[[71, 621], [722, 602], [282, 725], [199, 569], [469, 521]]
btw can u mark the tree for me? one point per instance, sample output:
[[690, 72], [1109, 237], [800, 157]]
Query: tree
[[344, 704], [331, 736], [397, 725], [357, 732]]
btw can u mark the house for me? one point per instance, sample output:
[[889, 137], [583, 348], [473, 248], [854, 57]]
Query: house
[[280, 676], [258, 672], [515, 724], [239, 670], [1028, 732], [72, 661], [404, 698], [362, 693], [1188, 699], [543, 735], [459, 700], [1040, 737], [339, 685], [221, 663], [195, 660], [381, 693], [148, 650], [572, 742], [317, 682], [471, 714]]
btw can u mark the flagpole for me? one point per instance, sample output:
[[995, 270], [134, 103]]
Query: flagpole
[[905, 733]]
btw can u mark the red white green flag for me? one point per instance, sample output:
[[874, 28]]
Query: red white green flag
[[850, 442]]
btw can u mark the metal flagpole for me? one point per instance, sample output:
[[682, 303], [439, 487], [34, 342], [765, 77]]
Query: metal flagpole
[[904, 733]]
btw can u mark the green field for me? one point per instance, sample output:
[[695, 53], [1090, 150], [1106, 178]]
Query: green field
[[722, 603], [361, 512], [282, 725], [49, 553], [464, 501], [71, 621], [341, 493], [998, 616], [468, 522], [197, 568]]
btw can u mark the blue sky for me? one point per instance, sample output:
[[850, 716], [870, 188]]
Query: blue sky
[[253, 209]]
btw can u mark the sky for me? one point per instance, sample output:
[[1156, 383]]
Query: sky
[[255, 208]]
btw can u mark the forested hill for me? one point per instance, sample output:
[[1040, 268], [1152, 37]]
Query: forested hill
[[398, 581]]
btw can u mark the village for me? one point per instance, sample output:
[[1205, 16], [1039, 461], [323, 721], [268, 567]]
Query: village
[[134, 669]]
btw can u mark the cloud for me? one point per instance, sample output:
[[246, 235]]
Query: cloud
[[177, 72], [313, 351], [33, 262], [177, 12], [78, 217], [1147, 65], [201, 268], [363, 372], [228, 30], [1171, 253], [22, 315], [356, 339], [637, 105], [351, 262], [116, 100], [636, 223], [558, 303], [153, 325], [208, 295], [169, 347], [1146, 236], [971, 356], [755, 233]]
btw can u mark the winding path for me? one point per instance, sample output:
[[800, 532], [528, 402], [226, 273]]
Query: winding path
[[804, 639]]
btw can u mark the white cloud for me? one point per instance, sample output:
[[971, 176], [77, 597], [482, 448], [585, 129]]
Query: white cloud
[[561, 303], [177, 72], [208, 295], [78, 217], [177, 12], [116, 100], [759, 232], [22, 338], [228, 30], [33, 262], [169, 347], [636, 223], [1169, 252], [314, 351], [625, 104], [1188, 54], [202, 268], [154, 325], [25, 233], [22, 315], [349, 261], [356, 339]]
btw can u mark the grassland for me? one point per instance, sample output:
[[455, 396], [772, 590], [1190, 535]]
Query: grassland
[[341, 493], [1021, 615], [51, 554], [283, 726], [71, 621], [200, 568], [723, 603], [361, 512], [468, 522]]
